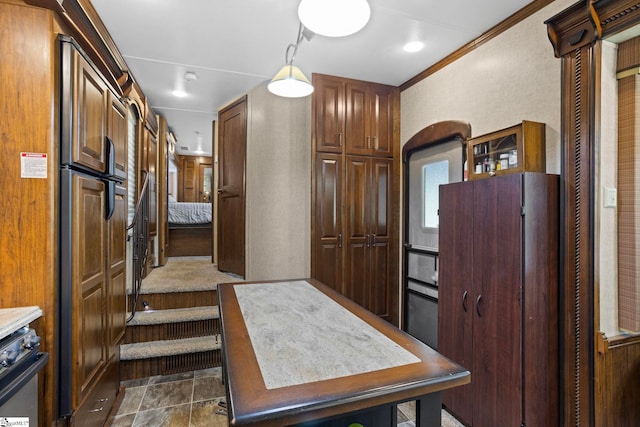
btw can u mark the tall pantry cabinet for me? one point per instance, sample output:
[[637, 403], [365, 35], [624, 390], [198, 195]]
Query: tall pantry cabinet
[[355, 211], [498, 303]]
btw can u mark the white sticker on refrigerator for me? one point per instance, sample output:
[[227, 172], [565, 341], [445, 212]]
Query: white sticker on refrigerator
[[33, 165]]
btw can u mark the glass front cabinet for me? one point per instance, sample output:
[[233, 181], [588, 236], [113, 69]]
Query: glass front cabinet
[[519, 148]]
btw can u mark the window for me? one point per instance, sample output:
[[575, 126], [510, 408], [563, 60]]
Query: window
[[433, 175]]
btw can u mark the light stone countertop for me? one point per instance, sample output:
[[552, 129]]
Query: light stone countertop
[[300, 335], [12, 319]]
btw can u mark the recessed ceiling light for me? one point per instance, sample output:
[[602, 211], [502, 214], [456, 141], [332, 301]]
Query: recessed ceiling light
[[412, 47], [190, 76], [179, 93]]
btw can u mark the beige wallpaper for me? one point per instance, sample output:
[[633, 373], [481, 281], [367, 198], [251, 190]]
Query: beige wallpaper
[[606, 218], [511, 78], [278, 187]]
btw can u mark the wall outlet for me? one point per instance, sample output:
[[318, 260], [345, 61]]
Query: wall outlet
[[610, 197]]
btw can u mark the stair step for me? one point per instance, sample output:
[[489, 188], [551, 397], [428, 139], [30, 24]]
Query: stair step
[[151, 349], [174, 315], [172, 300]]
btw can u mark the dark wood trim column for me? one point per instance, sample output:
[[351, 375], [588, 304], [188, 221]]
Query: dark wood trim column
[[575, 35]]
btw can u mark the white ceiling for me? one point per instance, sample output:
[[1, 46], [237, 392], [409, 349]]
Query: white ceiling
[[235, 45]]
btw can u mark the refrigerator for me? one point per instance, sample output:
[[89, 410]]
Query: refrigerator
[[92, 230]]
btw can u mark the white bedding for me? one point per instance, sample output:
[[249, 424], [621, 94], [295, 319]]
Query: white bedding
[[189, 213]]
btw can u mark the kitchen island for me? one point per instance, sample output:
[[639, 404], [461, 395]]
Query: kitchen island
[[298, 353]]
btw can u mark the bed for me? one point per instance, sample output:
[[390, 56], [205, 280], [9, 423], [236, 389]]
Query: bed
[[190, 228]]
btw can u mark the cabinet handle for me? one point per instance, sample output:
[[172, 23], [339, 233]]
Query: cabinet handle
[[367, 237], [375, 142], [478, 305], [339, 139], [373, 239], [340, 240], [464, 301], [368, 142], [96, 410]]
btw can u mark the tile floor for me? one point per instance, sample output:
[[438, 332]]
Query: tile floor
[[190, 399]]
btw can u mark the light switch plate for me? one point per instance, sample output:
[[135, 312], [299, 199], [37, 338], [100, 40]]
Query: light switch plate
[[610, 197]]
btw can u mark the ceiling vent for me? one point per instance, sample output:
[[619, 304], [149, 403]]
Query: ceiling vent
[[184, 148]]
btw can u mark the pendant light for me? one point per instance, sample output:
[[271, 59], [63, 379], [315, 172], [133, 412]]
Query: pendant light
[[334, 18], [290, 82]]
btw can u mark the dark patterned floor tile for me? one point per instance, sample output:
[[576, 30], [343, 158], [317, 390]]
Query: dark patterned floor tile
[[174, 416], [207, 388], [167, 394], [203, 414], [159, 379], [123, 420], [131, 401]]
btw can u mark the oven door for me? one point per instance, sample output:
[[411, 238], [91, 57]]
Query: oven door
[[19, 391]]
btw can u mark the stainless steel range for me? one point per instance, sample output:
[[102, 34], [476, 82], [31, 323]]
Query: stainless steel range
[[20, 362]]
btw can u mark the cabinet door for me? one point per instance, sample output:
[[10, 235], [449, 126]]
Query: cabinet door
[[117, 132], [189, 180], [327, 252], [328, 114], [117, 286], [89, 126], [89, 288], [381, 121], [497, 308], [455, 291], [357, 114], [357, 235], [380, 220]]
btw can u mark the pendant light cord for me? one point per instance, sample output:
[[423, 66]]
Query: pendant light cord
[[303, 33]]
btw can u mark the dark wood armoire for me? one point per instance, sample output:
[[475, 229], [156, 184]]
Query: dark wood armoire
[[498, 298]]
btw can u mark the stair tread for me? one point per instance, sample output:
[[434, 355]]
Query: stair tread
[[149, 349], [174, 315]]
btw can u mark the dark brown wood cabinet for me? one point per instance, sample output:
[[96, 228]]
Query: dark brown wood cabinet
[[117, 132], [191, 179], [368, 119], [327, 233], [328, 115], [354, 225], [353, 116], [498, 302], [368, 232]]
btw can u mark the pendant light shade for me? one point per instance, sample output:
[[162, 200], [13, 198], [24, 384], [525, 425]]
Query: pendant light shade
[[334, 18], [290, 82]]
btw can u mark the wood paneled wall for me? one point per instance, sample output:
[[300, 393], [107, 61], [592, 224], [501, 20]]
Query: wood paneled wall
[[575, 34], [190, 185], [28, 228], [618, 382]]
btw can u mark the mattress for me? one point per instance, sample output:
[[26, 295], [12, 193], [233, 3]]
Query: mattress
[[189, 213]]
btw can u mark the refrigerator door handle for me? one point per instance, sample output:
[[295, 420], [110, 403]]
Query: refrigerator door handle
[[110, 152], [111, 198]]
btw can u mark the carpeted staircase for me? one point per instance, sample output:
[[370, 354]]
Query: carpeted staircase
[[176, 325]]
